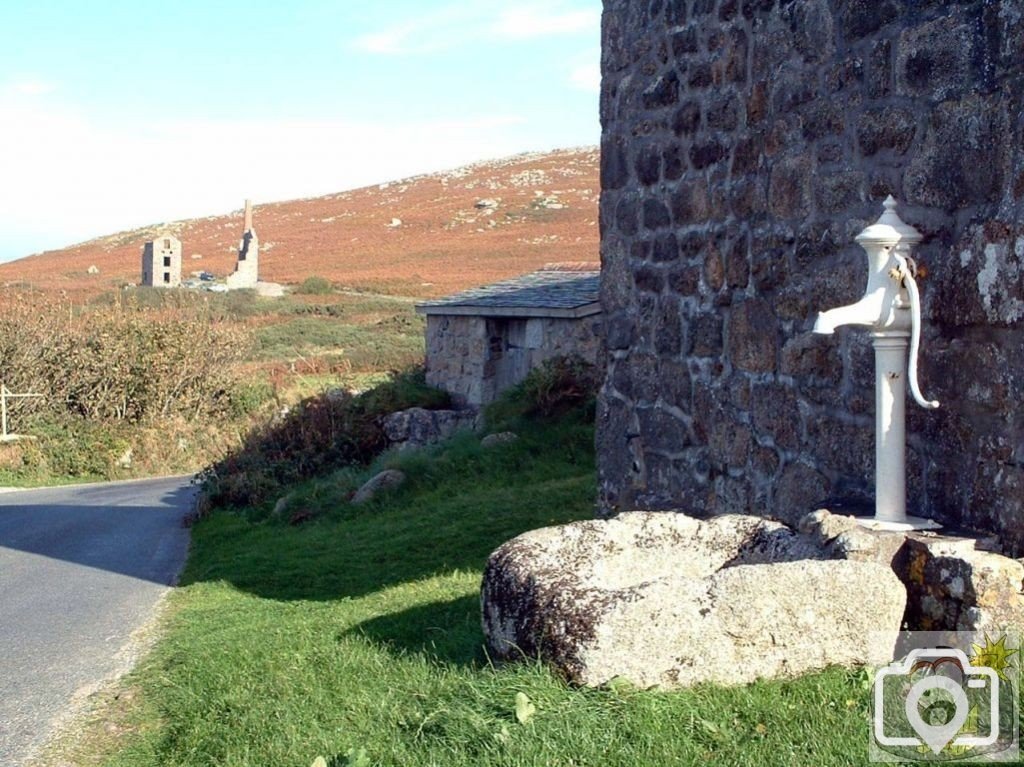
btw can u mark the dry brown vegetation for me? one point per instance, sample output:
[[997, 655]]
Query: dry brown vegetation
[[458, 229], [175, 379], [119, 362]]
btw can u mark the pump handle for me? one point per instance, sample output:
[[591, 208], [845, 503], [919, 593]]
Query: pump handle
[[907, 271]]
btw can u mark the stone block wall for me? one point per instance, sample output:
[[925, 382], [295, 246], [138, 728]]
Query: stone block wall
[[745, 143], [456, 352], [161, 263], [475, 358]]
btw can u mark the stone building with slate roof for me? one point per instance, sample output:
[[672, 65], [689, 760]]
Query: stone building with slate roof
[[482, 341]]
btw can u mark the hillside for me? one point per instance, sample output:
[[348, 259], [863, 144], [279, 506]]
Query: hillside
[[457, 229]]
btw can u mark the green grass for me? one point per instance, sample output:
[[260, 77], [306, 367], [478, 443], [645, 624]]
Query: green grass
[[359, 332], [358, 632], [392, 342]]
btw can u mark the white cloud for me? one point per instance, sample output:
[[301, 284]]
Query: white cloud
[[75, 178], [30, 86], [530, 21], [390, 41], [586, 77], [456, 24]]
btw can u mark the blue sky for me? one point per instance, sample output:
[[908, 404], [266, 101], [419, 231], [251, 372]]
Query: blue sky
[[120, 114]]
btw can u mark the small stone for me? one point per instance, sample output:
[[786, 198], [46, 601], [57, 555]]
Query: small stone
[[973, 173], [789, 188], [499, 438], [663, 93], [388, 479], [686, 119], [656, 215], [282, 505], [825, 526], [707, 152], [706, 335], [648, 165], [775, 414], [887, 128], [935, 60], [799, 488], [417, 427], [124, 461], [614, 166]]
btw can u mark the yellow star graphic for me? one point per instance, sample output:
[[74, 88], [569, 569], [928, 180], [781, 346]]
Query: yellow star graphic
[[993, 655]]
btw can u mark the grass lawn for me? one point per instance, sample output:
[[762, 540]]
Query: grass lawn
[[356, 637]]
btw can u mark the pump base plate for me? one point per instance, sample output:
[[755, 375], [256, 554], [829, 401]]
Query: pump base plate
[[904, 525]]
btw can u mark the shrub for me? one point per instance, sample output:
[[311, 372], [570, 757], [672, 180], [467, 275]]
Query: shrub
[[73, 447], [117, 363], [315, 286], [405, 389], [249, 397], [559, 385], [317, 436]]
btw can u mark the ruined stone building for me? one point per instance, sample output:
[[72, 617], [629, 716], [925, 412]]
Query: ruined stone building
[[482, 341], [161, 262], [744, 144], [246, 273]]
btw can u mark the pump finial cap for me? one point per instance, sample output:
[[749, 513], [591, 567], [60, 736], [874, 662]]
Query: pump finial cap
[[908, 234]]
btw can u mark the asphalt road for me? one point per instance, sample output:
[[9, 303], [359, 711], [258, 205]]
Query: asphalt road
[[81, 568]]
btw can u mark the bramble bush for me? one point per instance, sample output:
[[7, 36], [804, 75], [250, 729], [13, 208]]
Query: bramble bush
[[320, 434], [116, 377], [336, 430], [117, 363]]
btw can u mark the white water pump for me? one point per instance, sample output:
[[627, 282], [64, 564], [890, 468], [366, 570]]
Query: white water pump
[[891, 309]]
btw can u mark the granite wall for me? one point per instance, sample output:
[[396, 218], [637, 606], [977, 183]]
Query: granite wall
[[745, 143]]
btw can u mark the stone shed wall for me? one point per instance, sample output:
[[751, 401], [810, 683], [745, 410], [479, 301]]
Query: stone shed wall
[[475, 358], [745, 143]]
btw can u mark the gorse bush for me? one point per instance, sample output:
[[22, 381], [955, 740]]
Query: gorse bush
[[315, 286], [319, 435], [117, 363]]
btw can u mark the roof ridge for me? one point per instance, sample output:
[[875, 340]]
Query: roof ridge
[[571, 266]]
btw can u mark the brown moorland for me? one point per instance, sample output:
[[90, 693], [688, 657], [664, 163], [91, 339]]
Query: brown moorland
[[424, 236]]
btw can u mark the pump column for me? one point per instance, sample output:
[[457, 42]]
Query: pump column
[[890, 419]]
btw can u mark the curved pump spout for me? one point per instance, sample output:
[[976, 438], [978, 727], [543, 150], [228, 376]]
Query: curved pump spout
[[867, 311]]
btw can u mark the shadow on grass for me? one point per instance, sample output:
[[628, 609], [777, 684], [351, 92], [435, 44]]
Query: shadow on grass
[[414, 536], [446, 632], [460, 502]]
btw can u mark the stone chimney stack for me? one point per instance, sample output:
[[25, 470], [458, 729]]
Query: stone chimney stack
[[246, 273]]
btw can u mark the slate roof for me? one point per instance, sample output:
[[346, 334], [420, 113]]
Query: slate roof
[[568, 291]]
